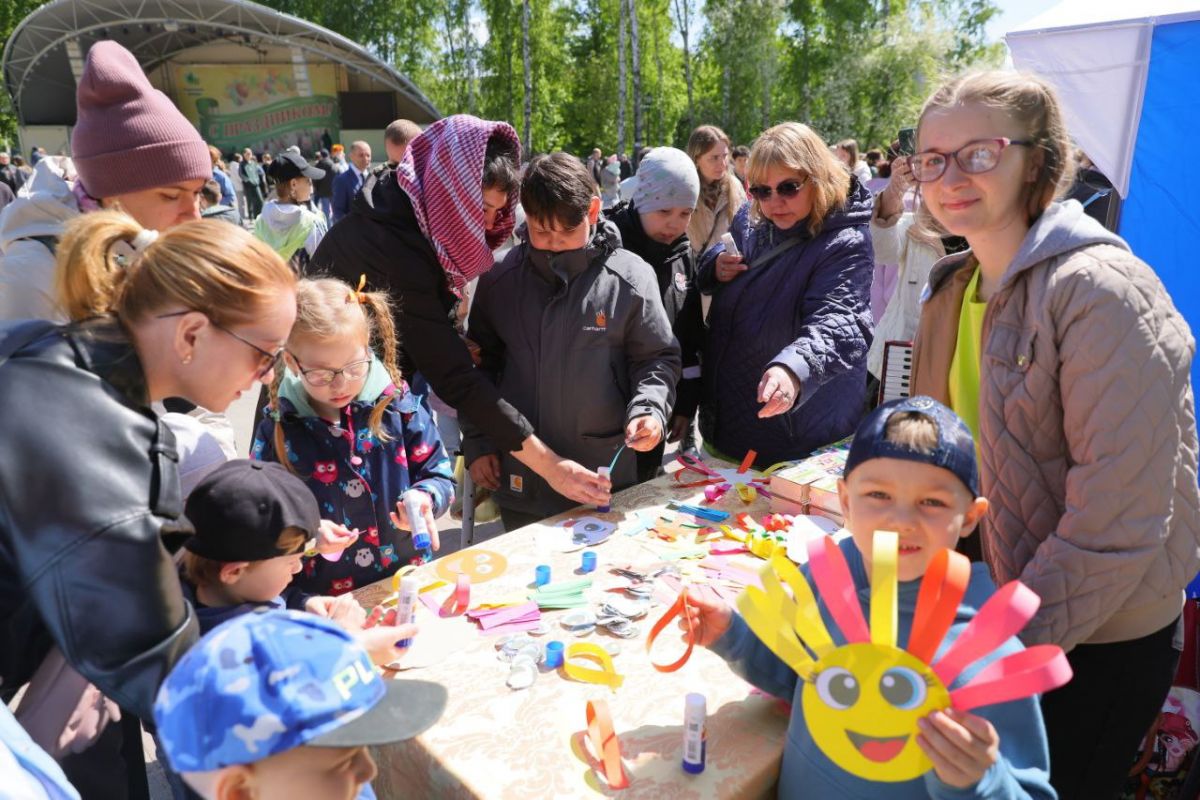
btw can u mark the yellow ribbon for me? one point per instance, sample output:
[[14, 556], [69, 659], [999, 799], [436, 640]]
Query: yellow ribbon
[[746, 492], [762, 545], [884, 558], [357, 295], [607, 674]]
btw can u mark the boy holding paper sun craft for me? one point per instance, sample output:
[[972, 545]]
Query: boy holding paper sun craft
[[870, 720]]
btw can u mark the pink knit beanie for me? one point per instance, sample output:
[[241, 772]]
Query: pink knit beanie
[[128, 136]]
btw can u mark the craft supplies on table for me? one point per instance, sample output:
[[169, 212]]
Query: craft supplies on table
[[510, 699]]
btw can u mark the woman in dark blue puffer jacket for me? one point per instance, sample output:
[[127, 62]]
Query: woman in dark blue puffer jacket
[[790, 325]]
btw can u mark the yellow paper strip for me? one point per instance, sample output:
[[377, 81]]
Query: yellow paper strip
[[607, 674], [884, 556], [807, 619]]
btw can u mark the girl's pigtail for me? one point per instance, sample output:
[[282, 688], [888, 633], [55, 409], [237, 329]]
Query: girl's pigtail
[[276, 413], [379, 311]]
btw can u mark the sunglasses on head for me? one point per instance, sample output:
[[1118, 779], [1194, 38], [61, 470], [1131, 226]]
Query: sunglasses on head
[[786, 189]]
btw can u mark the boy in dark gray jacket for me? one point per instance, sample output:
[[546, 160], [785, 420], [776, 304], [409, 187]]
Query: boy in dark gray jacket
[[572, 330]]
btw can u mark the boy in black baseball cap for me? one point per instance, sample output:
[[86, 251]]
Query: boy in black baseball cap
[[254, 520]]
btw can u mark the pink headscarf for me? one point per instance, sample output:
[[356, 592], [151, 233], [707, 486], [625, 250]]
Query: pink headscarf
[[442, 173]]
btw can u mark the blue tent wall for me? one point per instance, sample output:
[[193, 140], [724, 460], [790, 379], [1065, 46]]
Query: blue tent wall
[[1161, 217]]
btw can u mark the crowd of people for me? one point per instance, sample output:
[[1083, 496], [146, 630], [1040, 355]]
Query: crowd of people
[[725, 298]]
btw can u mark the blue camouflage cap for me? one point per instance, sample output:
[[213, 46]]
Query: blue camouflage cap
[[268, 681], [955, 448]]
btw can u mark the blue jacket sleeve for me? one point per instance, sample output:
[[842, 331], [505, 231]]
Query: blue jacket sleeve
[[434, 475], [706, 269], [1023, 770], [835, 333], [263, 447], [342, 194], [754, 661]]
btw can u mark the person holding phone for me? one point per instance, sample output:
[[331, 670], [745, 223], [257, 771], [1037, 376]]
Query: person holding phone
[[789, 326]]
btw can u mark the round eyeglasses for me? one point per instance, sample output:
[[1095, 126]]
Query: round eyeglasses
[[972, 158], [324, 377]]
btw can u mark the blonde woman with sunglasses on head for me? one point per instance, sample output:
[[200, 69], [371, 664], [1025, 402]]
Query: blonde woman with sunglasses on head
[[1068, 359], [790, 321]]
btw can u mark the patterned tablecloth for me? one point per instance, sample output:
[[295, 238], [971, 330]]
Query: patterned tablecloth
[[495, 742]]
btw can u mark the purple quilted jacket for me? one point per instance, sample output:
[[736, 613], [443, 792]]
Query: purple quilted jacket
[[809, 310]]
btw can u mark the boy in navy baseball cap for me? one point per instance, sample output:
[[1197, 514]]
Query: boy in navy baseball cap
[[912, 470], [282, 704]]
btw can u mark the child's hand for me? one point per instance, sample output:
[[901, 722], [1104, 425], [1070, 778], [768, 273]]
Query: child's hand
[[643, 433], [576, 482], [400, 518], [962, 746], [485, 471], [344, 610], [333, 538], [710, 615], [380, 634]]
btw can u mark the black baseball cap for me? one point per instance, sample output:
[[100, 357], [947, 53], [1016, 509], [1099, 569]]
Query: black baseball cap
[[955, 449], [242, 506], [288, 165]]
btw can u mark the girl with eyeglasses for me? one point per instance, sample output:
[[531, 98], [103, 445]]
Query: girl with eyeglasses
[[342, 419], [89, 485], [790, 321], [1071, 364]]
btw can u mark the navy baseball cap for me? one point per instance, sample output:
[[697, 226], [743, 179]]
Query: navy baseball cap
[[955, 449], [268, 681]]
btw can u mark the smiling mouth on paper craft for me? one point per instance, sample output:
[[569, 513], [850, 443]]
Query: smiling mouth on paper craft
[[880, 749]]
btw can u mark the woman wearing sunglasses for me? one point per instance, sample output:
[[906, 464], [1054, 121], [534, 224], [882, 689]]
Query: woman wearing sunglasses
[[89, 484], [1064, 353], [790, 321]]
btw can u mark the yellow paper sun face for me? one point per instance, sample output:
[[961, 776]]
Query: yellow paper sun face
[[862, 705]]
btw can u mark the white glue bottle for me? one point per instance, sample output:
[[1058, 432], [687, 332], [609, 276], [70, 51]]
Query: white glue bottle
[[694, 737], [406, 604], [416, 520]]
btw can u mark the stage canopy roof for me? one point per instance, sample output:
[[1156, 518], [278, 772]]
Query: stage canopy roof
[[44, 56]]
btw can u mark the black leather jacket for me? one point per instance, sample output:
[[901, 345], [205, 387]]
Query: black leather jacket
[[89, 488]]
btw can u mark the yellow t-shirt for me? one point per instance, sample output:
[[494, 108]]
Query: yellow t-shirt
[[964, 366]]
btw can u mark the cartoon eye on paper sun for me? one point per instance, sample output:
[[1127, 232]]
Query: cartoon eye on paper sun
[[862, 699]]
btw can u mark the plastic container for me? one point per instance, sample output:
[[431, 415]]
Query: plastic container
[[695, 745], [541, 575], [420, 532], [554, 654], [589, 561], [407, 604], [603, 472]]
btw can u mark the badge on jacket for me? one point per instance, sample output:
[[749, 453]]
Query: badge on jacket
[[516, 483], [681, 282]]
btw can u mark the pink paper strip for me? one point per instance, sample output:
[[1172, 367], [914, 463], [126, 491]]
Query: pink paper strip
[[832, 575], [492, 617], [511, 627], [1002, 616], [1039, 669]]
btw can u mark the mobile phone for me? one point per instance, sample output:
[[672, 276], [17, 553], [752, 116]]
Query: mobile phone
[[908, 141], [730, 245]]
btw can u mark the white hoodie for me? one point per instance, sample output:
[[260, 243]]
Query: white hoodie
[[43, 206]]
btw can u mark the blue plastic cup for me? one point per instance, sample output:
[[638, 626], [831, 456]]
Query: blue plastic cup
[[589, 561], [542, 575]]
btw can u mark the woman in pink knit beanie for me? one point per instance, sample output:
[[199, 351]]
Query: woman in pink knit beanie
[[132, 149]]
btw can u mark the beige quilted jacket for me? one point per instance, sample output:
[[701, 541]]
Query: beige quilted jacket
[[1088, 426]]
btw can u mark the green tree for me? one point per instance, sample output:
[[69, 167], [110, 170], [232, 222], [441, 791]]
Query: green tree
[[11, 14]]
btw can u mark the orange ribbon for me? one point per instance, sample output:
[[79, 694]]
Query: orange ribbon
[[675, 610], [605, 744]]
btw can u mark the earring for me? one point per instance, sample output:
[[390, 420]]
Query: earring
[[187, 359]]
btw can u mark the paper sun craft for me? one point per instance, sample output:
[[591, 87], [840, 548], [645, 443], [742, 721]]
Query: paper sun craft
[[862, 700], [719, 480]]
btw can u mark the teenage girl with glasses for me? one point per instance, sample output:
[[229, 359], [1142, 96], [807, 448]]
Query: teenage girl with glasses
[[342, 419], [1064, 353]]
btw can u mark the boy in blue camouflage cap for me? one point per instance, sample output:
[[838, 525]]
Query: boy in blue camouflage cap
[[282, 704]]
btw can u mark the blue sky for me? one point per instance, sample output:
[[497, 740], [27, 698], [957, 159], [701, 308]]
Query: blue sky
[[1013, 13]]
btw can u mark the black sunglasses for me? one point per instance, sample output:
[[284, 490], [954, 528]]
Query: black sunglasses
[[269, 360], [786, 189]]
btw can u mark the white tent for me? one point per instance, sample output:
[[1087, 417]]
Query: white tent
[[1126, 73]]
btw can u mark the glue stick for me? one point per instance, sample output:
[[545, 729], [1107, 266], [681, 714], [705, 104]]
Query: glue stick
[[694, 744], [416, 520], [603, 472], [406, 605]]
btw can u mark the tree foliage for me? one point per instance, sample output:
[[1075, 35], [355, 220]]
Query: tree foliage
[[855, 68]]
